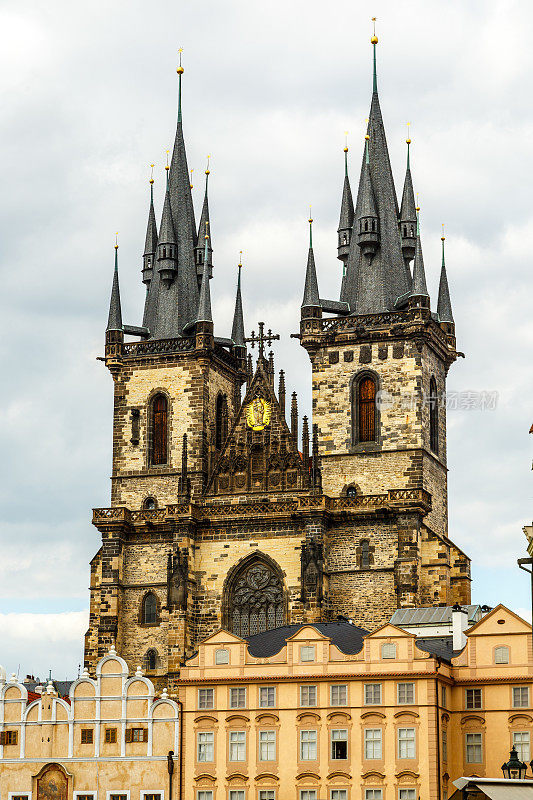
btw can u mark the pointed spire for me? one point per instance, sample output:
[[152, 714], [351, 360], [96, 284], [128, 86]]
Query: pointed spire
[[419, 275], [311, 297], [344, 230], [367, 216], [167, 250], [374, 41], [305, 448], [204, 222], [408, 217], [294, 419], [281, 392], [204, 305], [444, 304], [150, 243], [237, 329], [114, 321]]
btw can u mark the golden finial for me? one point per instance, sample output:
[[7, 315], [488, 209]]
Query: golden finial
[[180, 68], [207, 168], [367, 137], [116, 240], [345, 141], [408, 140], [240, 259], [374, 38], [190, 182], [443, 236], [417, 202], [167, 166], [152, 173], [310, 216]]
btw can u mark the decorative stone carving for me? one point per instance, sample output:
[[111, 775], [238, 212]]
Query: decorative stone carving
[[256, 603], [177, 579], [312, 571]]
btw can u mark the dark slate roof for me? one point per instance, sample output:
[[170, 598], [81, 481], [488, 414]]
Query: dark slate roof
[[440, 646], [237, 329], [419, 275], [61, 687], [346, 215], [114, 320], [348, 638], [311, 297], [150, 243], [444, 304]]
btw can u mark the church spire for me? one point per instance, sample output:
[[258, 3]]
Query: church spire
[[237, 330], [167, 250], [114, 321], [204, 305], [444, 304], [419, 276], [311, 298], [408, 217], [373, 284], [346, 217], [150, 243], [367, 220], [202, 230]]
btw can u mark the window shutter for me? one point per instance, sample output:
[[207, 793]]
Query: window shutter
[[2, 738], [145, 734], [128, 735]]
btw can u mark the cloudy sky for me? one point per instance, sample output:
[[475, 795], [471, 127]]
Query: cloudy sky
[[89, 101]]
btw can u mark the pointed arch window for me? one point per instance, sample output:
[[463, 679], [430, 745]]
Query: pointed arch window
[[255, 599], [159, 438], [149, 609], [433, 416], [150, 659], [367, 410], [221, 421]]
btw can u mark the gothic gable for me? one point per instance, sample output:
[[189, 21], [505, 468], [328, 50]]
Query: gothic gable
[[260, 454]]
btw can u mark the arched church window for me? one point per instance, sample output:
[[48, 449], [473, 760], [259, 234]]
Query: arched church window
[[149, 609], [221, 421], [365, 554], [351, 491], [433, 416], [150, 504], [159, 439], [367, 410], [150, 659], [255, 601]]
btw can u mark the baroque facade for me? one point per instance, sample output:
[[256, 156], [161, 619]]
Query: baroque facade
[[225, 511]]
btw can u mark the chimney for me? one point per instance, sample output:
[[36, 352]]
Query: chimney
[[459, 626]]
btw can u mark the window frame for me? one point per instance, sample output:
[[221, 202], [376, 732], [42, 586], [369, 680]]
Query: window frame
[[237, 745], [355, 403], [371, 791], [333, 686], [308, 743], [217, 652], [444, 745], [205, 792], [267, 689], [307, 649], [200, 707], [266, 731], [391, 647], [473, 744], [520, 745], [88, 734], [307, 792], [520, 688], [142, 616], [19, 793], [260, 792], [238, 689], [473, 706], [233, 794], [500, 649], [407, 789], [372, 741], [332, 743], [307, 687], [111, 792], [145, 792], [367, 702], [84, 793], [163, 423], [406, 743], [211, 743], [338, 789], [110, 735], [406, 702]]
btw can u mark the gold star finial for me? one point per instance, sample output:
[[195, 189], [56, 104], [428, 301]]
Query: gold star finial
[[374, 38], [310, 216], [167, 165], [152, 173], [417, 202], [116, 240], [180, 68], [207, 168], [190, 182], [408, 140], [240, 259], [345, 141], [443, 236]]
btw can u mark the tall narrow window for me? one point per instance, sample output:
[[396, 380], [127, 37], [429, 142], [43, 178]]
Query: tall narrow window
[[367, 410], [221, 421], [433, 416], [151, 659], [149, 609], [159, 430], [365, 554]]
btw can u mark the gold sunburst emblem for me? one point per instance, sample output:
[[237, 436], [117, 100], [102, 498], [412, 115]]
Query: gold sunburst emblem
[[258, 414]]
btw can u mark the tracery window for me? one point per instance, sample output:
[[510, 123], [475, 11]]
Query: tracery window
[[149, 609], [364, 408], [255, 603], [159, 438], [433, 416], [221, 421]]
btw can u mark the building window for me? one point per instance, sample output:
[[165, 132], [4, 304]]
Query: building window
[[372, 694], [236, 794], [204, 794], [110, 735], [119, 796], [222, 657], [87, 736], [307, 652], [473, 699], [255, 601], [150, 659], [206, 698], [267, 794], [365, 554], [521, 741], [9, 737], [433, 416], [520, 696], [221, 421], [501, 655], [308, 695], [308, 745], [149, 609], [339, 744], [267, 745], [373, 747], [444, 696], [339, 694], [338, 794], [407, 794], [159, 439], [406, 693], [267, 696], [84, 796], [308, 794], [237, 697], [151, 795], [24, 796], [205, 746], [406, 743], [474, 749], [445, 745], [237, 746], [137, 735], [365, 398], [388, 650], [373, 794], [149, 503]]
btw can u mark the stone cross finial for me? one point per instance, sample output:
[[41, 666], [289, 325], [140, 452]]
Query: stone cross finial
[[262, 338]]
